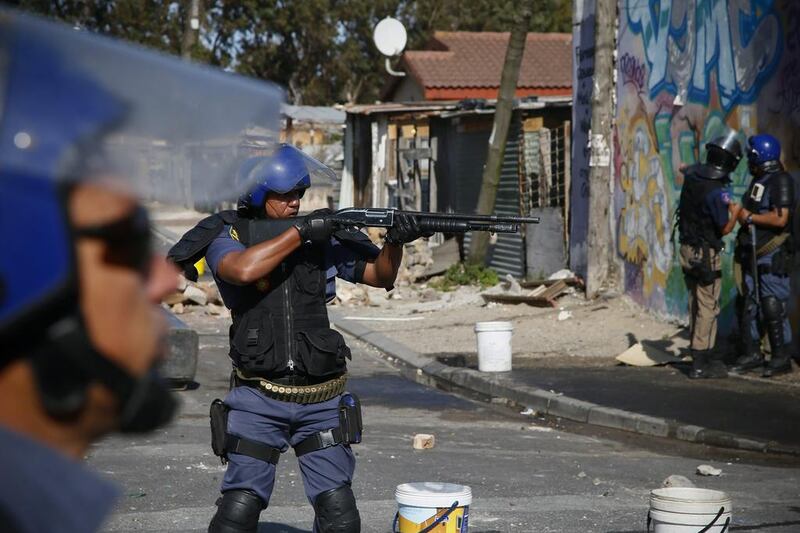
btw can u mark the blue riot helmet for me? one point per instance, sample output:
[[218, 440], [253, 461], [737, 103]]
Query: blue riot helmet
[[75, 106], [287, 169], [763, 154]]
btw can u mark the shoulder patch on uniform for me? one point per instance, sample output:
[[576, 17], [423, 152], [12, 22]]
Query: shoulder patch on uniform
[[234, 234], [726, 197]]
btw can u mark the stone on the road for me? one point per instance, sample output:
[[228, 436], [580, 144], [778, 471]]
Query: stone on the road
[[424, 441], [708, 470], [676, 480], [196, 295]]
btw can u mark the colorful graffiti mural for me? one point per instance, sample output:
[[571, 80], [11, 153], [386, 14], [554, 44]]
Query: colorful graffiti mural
[[687, 70]]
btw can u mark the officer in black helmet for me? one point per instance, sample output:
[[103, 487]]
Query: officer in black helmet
[[705, 214]]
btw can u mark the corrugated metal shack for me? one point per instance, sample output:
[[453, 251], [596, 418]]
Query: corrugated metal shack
[[429, 156]]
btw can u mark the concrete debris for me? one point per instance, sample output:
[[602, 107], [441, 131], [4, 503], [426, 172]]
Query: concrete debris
[[708, 470], [581, 475], [174, 298], [424, 441], [513, 286], [196, 295], [677, 481], [217, 310], [190, 293], [543, 295], [562, 274]]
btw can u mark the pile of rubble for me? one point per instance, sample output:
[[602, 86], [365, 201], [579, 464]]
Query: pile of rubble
[[190, 295], [540, 293], [417, 257]]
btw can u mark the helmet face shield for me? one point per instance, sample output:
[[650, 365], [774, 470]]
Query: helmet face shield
[[724, 153], [76, 104], [78, 107], [287, 169]]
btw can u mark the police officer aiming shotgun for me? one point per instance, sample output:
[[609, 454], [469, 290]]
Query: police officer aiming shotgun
[[275, 272]]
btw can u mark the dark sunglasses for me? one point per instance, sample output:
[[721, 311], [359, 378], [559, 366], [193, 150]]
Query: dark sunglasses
[[128, 240]]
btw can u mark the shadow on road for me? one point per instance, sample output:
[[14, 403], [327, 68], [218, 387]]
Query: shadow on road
[[272, 527]]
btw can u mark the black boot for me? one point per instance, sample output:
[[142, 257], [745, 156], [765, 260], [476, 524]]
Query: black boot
[[774, 315], [716, 365], [699, 364], [748, 361], [780, 363]]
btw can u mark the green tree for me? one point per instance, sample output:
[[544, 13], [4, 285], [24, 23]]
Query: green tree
[[321, 50]]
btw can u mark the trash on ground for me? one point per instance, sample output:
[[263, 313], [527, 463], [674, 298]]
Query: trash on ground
[[708, 470], [676, 480], [645, 354], [564, 315], [542, 296], [424, 441], [528, 412]]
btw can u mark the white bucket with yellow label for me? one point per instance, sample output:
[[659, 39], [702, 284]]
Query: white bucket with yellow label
[[432, 507]]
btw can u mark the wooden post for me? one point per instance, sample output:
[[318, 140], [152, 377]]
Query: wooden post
[[599, 239], [567, 177], [502, 118]]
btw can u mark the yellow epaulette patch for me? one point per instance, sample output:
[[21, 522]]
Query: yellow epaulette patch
[[262, 284], [234, 235]]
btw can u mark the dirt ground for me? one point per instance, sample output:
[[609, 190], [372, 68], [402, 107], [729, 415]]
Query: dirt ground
[[442, 324]]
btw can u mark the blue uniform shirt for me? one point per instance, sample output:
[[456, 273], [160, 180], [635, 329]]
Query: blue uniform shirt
[[716, 205], [43, 490], [340, 261]]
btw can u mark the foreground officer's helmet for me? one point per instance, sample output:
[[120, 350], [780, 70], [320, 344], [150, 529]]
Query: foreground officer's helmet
[[74, 107], [763, 153], [288, 169], [724, 153]]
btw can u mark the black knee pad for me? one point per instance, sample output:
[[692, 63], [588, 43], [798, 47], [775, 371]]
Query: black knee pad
[[336, 511], [772, 308], [237, 512]]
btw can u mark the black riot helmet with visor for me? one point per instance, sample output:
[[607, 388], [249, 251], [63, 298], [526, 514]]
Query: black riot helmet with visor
[[723, 155]]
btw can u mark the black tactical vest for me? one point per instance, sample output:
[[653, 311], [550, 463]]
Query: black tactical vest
[[696, 227], [761, 205], [282, 327]]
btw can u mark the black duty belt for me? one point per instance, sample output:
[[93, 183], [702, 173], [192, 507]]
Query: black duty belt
[[283, 388]]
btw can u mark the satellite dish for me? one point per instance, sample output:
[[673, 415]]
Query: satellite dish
[[390, 37]]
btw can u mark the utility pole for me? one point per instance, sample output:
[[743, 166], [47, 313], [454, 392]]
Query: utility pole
[[599, 252], [502, 118], [191, 29]]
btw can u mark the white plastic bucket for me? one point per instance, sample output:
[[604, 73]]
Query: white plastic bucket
[[494, 346], [689, 510], [432, 507]]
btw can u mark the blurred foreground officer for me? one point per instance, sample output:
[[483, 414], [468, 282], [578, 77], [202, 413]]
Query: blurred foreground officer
[[290, 371], [705, 215], [80, 329], [768, 211]]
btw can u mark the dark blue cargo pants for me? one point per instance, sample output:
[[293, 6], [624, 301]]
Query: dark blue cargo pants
[[281, 425]]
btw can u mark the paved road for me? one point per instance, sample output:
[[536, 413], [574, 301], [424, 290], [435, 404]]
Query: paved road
[[525, 475]]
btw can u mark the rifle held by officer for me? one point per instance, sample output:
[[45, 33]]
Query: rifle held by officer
[[356, 218]]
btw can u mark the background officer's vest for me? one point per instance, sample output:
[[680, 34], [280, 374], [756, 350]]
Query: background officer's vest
[[696, 227]]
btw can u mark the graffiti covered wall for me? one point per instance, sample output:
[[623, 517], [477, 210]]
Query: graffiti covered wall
[[686, 69]]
